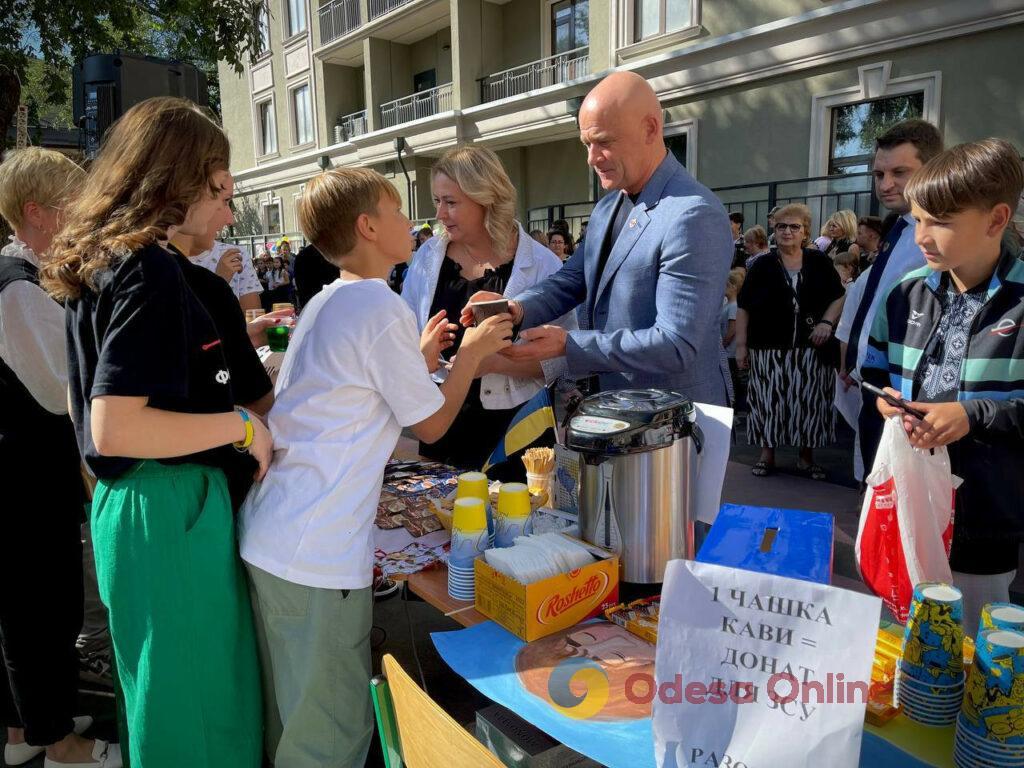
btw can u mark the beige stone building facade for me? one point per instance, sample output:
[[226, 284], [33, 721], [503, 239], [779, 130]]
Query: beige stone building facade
[[754, 91]]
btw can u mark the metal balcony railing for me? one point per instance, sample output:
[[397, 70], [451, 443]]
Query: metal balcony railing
[[422, 104], [380, 7], [559, 68], [337, 18], [824, 195], [350, 126]]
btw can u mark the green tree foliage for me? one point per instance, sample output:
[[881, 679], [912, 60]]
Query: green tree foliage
[[64, 32]]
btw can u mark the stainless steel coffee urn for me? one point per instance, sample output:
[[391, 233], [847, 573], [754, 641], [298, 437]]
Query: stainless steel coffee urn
[[639, 453]]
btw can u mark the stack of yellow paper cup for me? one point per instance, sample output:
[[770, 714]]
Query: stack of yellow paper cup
[[469, 541], [513, 513], [473, 485]]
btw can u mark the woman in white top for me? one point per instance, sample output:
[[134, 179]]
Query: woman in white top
[[482, 247]]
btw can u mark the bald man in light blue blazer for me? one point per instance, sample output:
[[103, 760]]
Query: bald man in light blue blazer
[[648, 285]]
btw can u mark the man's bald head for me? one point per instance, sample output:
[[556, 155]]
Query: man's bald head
[[621, 125]]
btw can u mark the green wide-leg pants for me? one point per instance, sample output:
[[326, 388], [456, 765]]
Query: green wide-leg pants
[[180, 618]]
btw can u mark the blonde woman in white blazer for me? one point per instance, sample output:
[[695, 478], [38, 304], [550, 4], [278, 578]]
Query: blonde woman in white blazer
[[482, 247]]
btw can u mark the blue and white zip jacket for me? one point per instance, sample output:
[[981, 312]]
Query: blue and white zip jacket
[[990, 458]]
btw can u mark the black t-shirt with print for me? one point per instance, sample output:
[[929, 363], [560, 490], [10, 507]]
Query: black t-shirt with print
[[144, 333], [249, 379]]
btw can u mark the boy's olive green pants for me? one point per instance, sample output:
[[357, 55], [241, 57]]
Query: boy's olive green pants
[[314, 647]]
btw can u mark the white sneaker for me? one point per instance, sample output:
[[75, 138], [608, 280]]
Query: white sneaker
[[19, 754], [104, 756]]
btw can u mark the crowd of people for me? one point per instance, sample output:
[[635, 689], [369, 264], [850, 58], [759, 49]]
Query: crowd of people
[[226, 501]]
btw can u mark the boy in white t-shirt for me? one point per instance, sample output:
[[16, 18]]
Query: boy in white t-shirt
[[356, 373]]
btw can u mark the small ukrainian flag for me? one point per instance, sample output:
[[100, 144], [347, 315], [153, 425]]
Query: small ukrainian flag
[[533, 420]]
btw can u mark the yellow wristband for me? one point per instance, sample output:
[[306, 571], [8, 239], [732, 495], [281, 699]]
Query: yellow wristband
[[244, 444]]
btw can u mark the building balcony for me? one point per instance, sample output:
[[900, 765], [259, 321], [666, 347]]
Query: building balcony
[[338, 18], [350, 126], [379, 8], [344, 27], [560, 68], [418, 105]]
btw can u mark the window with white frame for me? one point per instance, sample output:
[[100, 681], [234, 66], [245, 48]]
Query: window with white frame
[[263, 22], [856, 126], [266, 128], [302, 115], [272, 217], [296, 16], [845, 122], [681, 140], [654, 18]]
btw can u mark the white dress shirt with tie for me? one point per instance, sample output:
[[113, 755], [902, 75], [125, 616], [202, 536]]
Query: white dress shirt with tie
[[906, 256]]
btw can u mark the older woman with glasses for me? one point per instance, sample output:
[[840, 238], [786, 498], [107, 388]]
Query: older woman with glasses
[[788, 307]]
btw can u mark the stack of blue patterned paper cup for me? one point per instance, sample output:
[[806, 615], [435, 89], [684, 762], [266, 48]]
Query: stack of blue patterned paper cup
[[474, 485], [929, 683], [513, 513], [990, 729], [1002, 616], [469, 541]]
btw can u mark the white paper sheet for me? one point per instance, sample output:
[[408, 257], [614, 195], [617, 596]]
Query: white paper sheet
[[848, 402], [715, 423], [751, 629]]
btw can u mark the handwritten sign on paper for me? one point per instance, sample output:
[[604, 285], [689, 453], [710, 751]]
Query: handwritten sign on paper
[[757, 671]]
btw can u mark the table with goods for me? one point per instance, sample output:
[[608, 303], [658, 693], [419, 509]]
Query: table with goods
[[561, 577]]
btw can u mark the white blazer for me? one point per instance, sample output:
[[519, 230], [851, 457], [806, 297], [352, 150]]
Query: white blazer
[[533, 262]]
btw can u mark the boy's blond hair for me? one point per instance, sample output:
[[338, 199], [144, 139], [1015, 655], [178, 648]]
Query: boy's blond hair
[[333, 201], [734, 282], [35, 175]]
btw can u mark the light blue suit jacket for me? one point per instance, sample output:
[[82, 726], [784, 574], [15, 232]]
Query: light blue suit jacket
[[653, 318]]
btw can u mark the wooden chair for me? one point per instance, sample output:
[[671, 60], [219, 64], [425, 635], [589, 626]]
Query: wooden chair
[[430, 737]]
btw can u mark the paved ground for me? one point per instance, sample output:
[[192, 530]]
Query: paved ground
[[404, 627]]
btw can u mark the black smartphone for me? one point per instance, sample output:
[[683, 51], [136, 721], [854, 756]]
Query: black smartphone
[[895, 402]]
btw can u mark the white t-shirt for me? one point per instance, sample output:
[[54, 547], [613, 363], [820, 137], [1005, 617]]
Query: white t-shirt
[[352, 378], [242, 283]]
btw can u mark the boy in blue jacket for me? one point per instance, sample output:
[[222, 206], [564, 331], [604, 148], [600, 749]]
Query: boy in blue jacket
[[949, 339]]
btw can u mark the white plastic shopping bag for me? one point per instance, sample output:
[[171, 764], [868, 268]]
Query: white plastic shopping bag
[[906, 522]]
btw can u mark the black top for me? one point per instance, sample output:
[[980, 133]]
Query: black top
[[37, 448], [842, 245], [249, 379], [144, 333], [453, 292], [476, 430], [312, 272], [767, 296]]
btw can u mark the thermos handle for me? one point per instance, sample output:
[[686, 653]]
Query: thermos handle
[[698, 437]]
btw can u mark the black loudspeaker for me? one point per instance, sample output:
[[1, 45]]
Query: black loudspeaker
[[106, 85]]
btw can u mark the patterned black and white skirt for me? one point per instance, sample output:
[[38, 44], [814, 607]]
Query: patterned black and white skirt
[[790, 398]]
